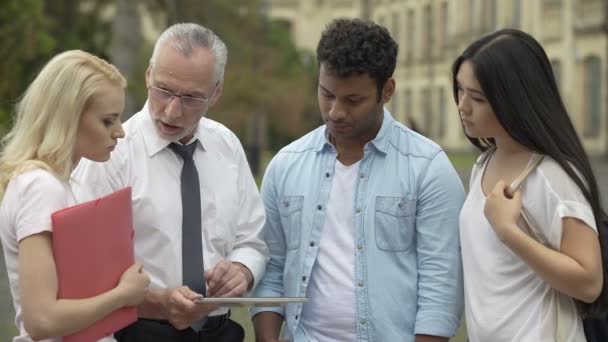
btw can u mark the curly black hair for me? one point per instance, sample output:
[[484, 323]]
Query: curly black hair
[[354, 47]]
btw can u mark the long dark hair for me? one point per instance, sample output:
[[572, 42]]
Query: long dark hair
[[515, 75]]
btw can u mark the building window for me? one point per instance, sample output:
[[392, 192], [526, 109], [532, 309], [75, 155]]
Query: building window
[[395, 30], [443, 115], [410, 35], [516, 13], [472, 16], [593, 96], [395, 26], [552, 3], [427, 113], [428, 22], [444, 24], [493, 14], [556, 66], [393, 105], [407, 108], [382, 21]]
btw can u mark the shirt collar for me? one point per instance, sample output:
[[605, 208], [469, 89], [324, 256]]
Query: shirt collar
[[380, 142], [382, 139], [155, 143]]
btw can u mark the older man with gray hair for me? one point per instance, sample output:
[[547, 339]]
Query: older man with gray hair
[[197, 212]]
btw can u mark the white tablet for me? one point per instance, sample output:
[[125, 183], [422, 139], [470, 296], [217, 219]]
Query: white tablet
[[250, 301]]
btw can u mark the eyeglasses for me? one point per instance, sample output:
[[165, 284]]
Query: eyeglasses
[[187, 101]]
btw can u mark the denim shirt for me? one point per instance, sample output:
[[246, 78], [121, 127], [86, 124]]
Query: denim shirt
[[407, 266]]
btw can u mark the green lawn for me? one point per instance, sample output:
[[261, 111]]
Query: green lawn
[[462, 160]]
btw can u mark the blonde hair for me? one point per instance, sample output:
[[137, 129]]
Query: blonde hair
[[48, 115]]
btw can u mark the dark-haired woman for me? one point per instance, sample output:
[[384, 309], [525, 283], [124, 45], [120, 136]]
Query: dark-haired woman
[[518, 287]]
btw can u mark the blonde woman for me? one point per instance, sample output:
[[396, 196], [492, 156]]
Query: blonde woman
[[70, 111]]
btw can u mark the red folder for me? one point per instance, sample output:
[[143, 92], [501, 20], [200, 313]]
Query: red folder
[[93, 246]]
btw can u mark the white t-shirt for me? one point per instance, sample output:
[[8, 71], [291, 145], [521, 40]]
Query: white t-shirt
[[26, 209], [330, 313], [505, 300]]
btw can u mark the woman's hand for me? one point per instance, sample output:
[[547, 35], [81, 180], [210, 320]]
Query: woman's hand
[[133, 285], [502, 212]]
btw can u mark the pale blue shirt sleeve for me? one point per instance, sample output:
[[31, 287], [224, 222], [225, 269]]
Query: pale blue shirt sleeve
[[440, 287], [271, 285]]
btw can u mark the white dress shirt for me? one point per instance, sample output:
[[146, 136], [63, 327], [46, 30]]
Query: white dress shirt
[[232, 210]]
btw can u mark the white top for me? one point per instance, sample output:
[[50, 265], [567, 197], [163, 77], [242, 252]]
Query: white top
[[505, 299], [26, 209], [330, 313], [232, 210]]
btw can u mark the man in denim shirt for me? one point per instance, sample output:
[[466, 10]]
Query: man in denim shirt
[[362, 213]]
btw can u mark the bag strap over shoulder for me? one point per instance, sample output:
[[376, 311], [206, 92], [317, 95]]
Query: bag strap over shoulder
[[481, 160], [528, 227], [564, 305], [532, 164]]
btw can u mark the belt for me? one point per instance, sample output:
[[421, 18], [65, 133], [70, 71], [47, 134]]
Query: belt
[[216, 322]]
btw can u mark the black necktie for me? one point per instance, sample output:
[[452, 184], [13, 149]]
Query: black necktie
[[192, 249]]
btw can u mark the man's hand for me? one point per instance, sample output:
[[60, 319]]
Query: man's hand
[[228, 279], [181, 310]]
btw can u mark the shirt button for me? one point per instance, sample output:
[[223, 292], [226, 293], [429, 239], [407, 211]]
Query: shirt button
[[297, 317], [286, 204], [400, 205], [319, 207], [360, 284], [359, 246], [312, 243], [362, 322], [358, 210], [303, 278], [327, 175], [362, 175]]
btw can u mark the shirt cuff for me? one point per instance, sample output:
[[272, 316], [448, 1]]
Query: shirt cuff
[[253, 260], [254, 310], [435, 323]]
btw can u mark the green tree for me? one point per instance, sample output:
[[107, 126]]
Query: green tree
[[26, 44], [269, 97], [32, 31], [270, 93], [85, 25]]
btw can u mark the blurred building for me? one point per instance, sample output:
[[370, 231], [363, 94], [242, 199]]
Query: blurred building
[[431, 33]]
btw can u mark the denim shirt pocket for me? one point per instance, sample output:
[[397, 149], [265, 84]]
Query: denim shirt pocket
[[394, 222], [290, 209]]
